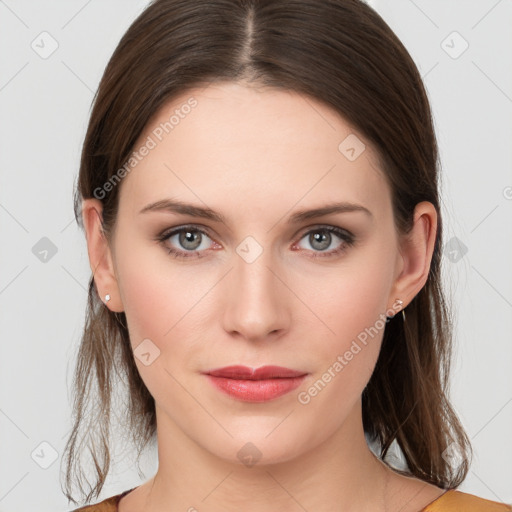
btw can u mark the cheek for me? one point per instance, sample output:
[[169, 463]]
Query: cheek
[[156, 292], [147, 303], [158, 300], [353, 306], [164, 302], [354, 301]]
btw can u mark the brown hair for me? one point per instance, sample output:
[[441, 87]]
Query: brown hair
[[339, 52]]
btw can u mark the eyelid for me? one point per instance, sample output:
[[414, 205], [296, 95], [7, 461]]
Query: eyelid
[[166, 233], [312, 227]]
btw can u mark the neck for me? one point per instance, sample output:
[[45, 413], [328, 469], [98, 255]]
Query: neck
[[340, 473]]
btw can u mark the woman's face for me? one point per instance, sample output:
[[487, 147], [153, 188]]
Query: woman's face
[[262, 286]]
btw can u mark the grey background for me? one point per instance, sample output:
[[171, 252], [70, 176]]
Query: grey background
[[44, 108]]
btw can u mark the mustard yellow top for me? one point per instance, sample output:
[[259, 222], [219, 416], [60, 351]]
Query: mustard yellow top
[[450, 501], [457, 501]]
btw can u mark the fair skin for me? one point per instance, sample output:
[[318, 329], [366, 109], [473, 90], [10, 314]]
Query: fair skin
[[257, 157]]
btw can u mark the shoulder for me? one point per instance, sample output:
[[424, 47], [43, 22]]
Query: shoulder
[[108, 505], [455, 501]]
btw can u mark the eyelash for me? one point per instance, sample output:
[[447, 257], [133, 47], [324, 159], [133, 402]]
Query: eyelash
[[347, 237]]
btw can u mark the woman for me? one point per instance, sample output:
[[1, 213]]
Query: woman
[[258, 189]]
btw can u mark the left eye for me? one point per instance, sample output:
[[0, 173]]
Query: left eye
[[191, 239], [322, 237]]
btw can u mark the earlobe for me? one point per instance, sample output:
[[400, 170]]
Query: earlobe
[[100, 256], [416, 249]]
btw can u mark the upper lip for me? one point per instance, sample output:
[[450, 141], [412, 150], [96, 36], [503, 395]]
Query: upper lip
[[246, 373]]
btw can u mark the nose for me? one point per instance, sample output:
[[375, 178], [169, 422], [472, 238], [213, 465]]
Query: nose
[[255, 304]]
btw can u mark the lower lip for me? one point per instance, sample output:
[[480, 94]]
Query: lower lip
[[256, 390]]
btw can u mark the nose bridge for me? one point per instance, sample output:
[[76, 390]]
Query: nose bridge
[[252, 269], [254, 305]]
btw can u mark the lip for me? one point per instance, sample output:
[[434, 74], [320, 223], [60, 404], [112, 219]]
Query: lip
[[246, 373], [255, 385]]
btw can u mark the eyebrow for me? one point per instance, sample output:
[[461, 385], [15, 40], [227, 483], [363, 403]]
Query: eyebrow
[[175, 206]]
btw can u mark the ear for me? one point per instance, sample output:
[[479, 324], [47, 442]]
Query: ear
[[416, 249], [100, 256]]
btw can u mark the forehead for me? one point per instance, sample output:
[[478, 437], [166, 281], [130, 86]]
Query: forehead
[[228, 144]]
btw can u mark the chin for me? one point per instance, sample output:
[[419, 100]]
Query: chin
[[258, 448]]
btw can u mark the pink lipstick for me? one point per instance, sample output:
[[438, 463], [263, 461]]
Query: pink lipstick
[[259, 385]]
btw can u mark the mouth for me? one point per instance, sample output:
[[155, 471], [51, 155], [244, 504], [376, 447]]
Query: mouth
[[255, 385]]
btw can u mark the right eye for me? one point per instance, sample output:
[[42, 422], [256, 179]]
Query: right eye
[[187, 237]]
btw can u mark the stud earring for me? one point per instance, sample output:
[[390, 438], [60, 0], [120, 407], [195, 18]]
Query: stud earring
[[107, 297], [400, 302]]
